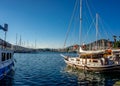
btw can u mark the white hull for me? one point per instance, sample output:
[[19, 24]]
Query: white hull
[[90, 66], [93, 68]]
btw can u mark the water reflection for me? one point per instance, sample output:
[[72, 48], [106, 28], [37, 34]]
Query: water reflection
[[86, 78], [8, 79], [46, 69]]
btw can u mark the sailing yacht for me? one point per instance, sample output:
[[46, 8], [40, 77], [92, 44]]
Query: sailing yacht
[[6, 56], [94, 60]]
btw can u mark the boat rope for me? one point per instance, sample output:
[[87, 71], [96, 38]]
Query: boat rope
[[104, 29], [90, 11], [70, 24], [73, 35], [88, 31]]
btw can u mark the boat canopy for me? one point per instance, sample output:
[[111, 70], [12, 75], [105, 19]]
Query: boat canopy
[[90, 52]]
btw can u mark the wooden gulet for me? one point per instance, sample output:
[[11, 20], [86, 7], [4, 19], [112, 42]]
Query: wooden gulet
[[99, 60]]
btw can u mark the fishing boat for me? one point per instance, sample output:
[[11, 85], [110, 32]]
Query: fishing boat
[[94, 60], [6, 55]]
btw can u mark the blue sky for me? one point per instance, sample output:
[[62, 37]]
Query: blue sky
[[46, 21]]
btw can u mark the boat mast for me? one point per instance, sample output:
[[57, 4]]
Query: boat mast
[[80, 22], [5, 28], [5, 43], [16, 38], [35, 44], [20, 41], [16, 41], [96, 30]]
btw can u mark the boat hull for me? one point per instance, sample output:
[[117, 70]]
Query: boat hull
[[97, 69], [5, 70]]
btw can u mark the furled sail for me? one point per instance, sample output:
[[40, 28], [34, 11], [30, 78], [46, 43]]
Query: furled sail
[[91, 52]]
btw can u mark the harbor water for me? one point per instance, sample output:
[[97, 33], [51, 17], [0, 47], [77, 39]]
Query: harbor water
[[49, 69]]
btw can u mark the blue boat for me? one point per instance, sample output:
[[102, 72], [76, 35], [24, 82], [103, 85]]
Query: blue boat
[[6, 55]]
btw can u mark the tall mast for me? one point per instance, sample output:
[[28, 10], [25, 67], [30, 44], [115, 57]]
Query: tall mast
[[96, 30], [16, 38], [20, 41], [35, 44], [80, 21]]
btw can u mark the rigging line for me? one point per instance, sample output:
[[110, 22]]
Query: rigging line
[[89, 10], [87, 17], [106, 26], [103, 28], [89, 30], [74, 33], [75, 24], [99, 34], [88, 21], [70, 23]]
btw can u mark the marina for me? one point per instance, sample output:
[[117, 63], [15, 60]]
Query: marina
[[98, 59], [59, 43], [50, 69]]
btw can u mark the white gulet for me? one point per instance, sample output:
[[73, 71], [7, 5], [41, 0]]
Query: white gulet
[[94, 60]]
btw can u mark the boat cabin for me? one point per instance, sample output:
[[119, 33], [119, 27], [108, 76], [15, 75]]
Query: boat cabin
[[4, 56]]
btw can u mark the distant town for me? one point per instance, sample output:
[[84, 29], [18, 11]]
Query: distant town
[[102, 43]]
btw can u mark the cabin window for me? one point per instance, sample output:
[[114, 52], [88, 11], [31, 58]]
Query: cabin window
[[10, 56], [3, 56], [7, 56], [95, 60]]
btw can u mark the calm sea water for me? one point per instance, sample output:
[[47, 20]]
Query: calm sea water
[[49, 69]]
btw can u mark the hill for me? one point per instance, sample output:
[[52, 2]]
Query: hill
[[102, 43]]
